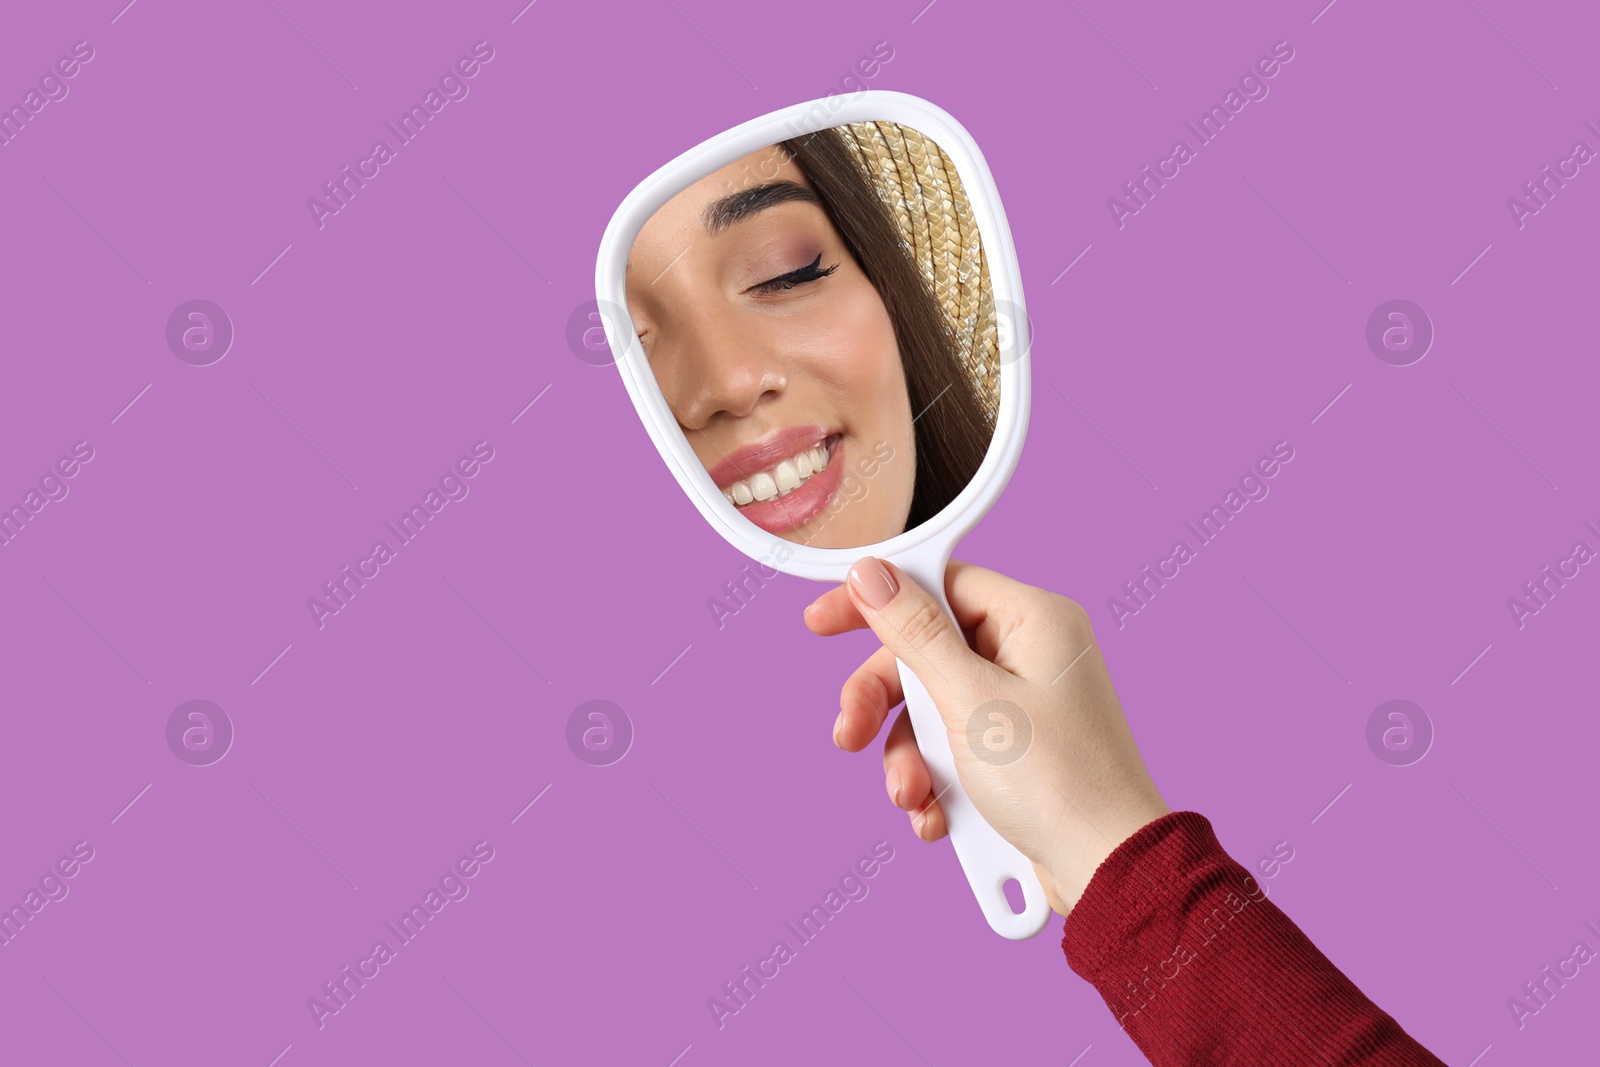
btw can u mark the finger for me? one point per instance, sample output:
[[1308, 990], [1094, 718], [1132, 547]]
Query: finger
[[833, 613], [928, 821], [913, 626], [866, 700], [976, 594], [906, 775]]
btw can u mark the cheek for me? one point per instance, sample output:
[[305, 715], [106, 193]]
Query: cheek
[[863, 366], [851, 348]]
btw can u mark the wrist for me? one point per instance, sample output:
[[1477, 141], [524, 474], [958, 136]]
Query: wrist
[[1083, 846]]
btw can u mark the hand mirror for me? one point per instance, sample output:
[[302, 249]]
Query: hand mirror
[[818, 315]]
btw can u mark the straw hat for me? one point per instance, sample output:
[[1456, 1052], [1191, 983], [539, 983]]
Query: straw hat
[[919, 185]]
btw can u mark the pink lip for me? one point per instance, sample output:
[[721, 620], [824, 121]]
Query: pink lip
[[779, 445], [784, 513]]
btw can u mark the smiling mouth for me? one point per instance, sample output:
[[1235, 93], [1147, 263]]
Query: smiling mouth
[[784, 477]]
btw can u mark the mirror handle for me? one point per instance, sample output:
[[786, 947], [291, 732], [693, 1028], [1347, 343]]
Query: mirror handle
[[988, 859]]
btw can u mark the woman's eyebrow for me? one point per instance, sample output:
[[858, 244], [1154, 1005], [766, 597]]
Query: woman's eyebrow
[[721, 214]]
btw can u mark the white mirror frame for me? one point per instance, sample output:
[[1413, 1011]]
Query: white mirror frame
[[987, 859], [1011, 420]]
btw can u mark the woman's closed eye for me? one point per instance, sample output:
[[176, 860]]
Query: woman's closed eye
[[799, 276]]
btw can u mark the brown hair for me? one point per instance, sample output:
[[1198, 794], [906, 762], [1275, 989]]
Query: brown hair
[[952, 428]]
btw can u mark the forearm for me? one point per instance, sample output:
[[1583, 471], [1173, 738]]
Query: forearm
[[1200, 967]]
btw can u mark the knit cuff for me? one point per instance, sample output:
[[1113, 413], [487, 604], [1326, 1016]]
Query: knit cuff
[[1143, 870]]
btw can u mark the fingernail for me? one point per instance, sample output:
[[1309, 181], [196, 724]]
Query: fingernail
[[837, 725], [918, 821], [899, 784], [873, 582]]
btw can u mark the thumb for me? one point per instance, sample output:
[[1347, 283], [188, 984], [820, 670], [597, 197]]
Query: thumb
[[913, 626]]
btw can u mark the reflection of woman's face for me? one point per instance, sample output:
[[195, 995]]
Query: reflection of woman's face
[[776, 354]]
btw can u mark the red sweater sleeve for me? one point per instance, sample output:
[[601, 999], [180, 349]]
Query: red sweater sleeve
[[1199, 967]]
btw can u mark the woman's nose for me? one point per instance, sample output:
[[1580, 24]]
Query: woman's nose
[[719, 366]]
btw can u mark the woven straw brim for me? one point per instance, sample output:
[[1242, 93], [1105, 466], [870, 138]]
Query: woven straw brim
[[919, 184]]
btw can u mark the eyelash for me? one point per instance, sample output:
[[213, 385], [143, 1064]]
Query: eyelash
[[807, 273]]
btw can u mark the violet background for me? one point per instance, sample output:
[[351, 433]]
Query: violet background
[[408, 727]]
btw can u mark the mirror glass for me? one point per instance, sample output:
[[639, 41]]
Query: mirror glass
[[819, 317]]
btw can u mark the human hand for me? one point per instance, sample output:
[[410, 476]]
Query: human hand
[[1078, 790]]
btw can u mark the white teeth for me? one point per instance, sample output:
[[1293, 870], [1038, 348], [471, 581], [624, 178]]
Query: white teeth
[[780, 480], [763, 487]]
